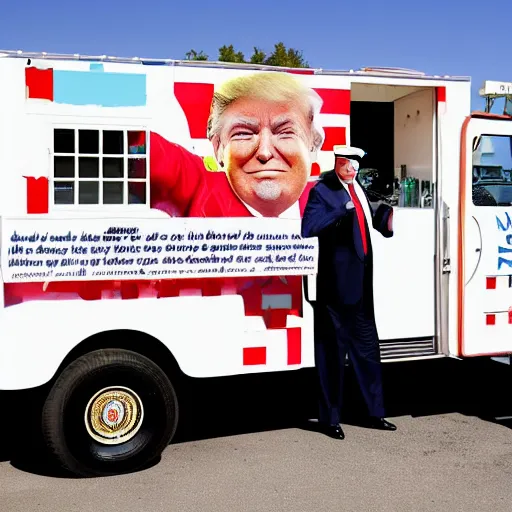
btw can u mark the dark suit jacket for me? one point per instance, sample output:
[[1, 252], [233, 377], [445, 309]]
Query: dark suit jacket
[[342, 265]]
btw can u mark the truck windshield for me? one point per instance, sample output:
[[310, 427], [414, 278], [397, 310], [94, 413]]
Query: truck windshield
[[492, 171]]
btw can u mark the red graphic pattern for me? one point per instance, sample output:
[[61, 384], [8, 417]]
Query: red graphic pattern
[[39, 83], [195, 100], [37, 195], [294, 336], [335, 101], [490, 283], [253, 356], [334, 135]]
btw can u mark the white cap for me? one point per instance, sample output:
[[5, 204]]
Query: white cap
[[348, 152]]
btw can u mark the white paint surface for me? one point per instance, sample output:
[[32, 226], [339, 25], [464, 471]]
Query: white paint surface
[[487, 229], [207, 334]]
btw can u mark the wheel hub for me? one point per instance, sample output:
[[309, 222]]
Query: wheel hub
[[114, 415]]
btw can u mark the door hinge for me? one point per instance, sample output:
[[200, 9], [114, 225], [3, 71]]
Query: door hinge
[[446, 266]]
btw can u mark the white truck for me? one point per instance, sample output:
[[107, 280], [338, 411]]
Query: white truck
[[107, 296]]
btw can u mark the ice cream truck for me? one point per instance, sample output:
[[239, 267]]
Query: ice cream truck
[[130, 255]]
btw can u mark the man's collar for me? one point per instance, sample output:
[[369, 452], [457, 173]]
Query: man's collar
[[344, 183]]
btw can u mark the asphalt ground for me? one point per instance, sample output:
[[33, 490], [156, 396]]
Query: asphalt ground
[[244, 445]]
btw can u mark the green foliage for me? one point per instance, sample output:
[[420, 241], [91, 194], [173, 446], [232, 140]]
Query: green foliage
[[258, 56], [281, 56], [193, 55], [228, 54], [286, 57]]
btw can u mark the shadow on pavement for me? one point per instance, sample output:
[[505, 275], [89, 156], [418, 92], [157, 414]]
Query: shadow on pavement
[[256, 403]]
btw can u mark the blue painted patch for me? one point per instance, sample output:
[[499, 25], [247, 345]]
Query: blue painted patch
[[96, 66], [103, 89]]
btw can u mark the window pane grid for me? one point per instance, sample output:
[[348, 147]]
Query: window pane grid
[[106, 155], [100, 176], [137, 180], [91, 181], [75, 188]]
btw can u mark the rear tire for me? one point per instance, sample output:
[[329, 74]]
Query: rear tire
[[110, 412]]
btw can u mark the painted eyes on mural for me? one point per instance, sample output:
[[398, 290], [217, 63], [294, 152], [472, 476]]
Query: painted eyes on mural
[[247, 134], [242, 135], [288, 133]]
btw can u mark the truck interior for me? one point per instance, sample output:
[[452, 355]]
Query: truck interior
[[395, 126]]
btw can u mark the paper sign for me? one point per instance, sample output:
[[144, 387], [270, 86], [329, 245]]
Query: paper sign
[[106, 249]]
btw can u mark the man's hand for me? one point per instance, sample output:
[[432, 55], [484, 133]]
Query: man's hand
[[349, 208]]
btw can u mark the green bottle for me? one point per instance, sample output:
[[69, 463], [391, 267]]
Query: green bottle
[[408, 190]]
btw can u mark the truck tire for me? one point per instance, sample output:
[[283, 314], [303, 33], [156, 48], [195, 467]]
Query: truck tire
[[110, 411]]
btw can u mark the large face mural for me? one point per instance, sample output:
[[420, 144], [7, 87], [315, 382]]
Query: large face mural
[[256, 140]]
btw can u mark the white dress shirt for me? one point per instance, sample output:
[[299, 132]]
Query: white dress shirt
[[362, 199]]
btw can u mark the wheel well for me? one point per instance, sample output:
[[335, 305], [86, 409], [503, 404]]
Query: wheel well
[[136, 341]]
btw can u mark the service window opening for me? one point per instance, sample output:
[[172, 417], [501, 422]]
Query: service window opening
[[394, 125]]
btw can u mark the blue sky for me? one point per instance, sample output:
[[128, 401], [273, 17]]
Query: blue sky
[[435, 36]]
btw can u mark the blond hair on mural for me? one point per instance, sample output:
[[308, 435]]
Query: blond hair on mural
[[271, 86]]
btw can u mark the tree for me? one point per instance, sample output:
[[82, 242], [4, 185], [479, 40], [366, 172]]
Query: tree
[[193, 55], [286, 57], [258, 56], [281, 56], [228, 54]]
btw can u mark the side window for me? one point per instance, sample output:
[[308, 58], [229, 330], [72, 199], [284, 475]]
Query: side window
[[492, 170], [100, 167]]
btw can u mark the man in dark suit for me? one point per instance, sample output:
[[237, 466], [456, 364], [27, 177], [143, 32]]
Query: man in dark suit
[[339, 214]]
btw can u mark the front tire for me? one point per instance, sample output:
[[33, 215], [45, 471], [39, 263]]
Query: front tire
[[110, 412]]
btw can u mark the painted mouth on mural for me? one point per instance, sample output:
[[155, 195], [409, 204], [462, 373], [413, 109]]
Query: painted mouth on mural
[[266, 173]]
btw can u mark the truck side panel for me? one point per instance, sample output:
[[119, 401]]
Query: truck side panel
[[451, 117]]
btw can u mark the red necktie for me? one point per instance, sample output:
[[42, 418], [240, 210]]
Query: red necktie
[[359, 213]]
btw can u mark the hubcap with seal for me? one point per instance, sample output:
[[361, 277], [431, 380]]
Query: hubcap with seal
[[114, 415]]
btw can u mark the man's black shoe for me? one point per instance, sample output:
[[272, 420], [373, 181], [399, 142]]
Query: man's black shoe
[[334, 431], [381, 424]]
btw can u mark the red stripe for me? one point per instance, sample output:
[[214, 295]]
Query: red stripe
[[441, 94], [211, 287], [255, 356], [510, 316], [195, 100], [336, 101], [129, 289], [490, 319], [168, 288], [490, 283], [37, 194], [334, 135], [315, 169], [301, 71], [294, 339], [39, 83]]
